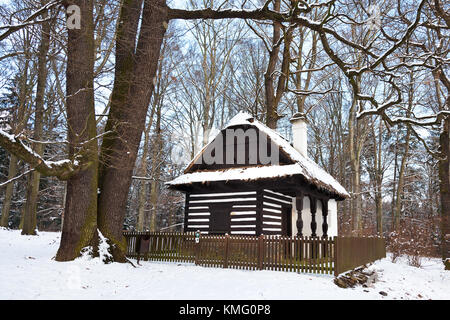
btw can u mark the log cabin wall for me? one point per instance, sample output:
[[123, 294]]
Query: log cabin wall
[[276, 213], [239, 213], [220, 213]]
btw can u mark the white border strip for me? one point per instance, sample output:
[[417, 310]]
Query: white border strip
[[277, 193], [242, 213], [272, 223], [243, 219], [198, 220], [244, 226], [243, 232], [271, 229], [223, 200], [199, 214], [271, 217], [222, 194], [272, 210], [275, 199]]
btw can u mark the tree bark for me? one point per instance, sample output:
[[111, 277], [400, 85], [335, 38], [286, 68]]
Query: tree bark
[[378, 176], [142, 172], [129, 106], [9, 191], [80, 217], [156, 170], [401, 174], [271, 112], [30, 216], [444, 186], [355, 165]]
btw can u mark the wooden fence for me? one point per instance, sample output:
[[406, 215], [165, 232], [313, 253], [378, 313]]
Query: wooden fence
[[352, 252], [298, 254]]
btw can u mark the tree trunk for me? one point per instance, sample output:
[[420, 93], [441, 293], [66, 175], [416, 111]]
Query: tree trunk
[[156, 159], [378, 178], [129, 106], [271, 112], [18, 125], [394, 187], [355, 174], [142, 172], [400, 183], [29, 221], [401, 174], [80, 217], [9, 191], [444, 187]]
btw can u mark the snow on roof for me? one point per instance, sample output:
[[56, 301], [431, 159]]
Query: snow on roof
[[303, 166]]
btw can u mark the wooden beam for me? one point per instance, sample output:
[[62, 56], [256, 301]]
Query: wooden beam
[[259, 211], [186, 211], [324, 215], [313, 206], [299, 208]]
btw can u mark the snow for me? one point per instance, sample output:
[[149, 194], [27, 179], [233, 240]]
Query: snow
[[27, 271]]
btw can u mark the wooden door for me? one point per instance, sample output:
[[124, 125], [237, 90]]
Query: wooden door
[[220, 220]]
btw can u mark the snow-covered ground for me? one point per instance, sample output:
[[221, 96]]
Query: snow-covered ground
[[27, 271]]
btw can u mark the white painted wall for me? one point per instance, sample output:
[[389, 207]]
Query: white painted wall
[[332, 218], [306, 216], [319, 219]]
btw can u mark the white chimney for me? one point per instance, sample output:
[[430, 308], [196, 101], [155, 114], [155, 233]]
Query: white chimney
[[300, 133]]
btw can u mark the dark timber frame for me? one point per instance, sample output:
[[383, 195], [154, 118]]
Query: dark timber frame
[[253, 196]]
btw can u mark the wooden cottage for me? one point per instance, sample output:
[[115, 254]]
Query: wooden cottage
[[250, 181]]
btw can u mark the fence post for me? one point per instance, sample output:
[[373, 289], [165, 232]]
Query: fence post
[[336, 256], [260, 251], [197, 245], [225, 261]]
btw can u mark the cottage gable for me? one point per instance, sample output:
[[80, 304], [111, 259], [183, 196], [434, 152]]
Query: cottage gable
[[239, 146]]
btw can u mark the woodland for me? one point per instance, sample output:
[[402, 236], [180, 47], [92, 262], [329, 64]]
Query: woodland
[[103, 101]]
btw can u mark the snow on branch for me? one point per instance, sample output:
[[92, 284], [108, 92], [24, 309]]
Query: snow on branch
[[31, 19], [60, 169], [4, 184]]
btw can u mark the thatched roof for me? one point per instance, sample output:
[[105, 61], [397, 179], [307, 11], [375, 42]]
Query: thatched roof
[[302, 166]]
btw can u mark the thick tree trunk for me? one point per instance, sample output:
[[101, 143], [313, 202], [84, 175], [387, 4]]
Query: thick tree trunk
[[29, 221], [9, 191], [444, 165], [127, 116], [80, 217], [444, 186]]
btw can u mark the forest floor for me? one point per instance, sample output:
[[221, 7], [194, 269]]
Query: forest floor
[[27, 271]]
